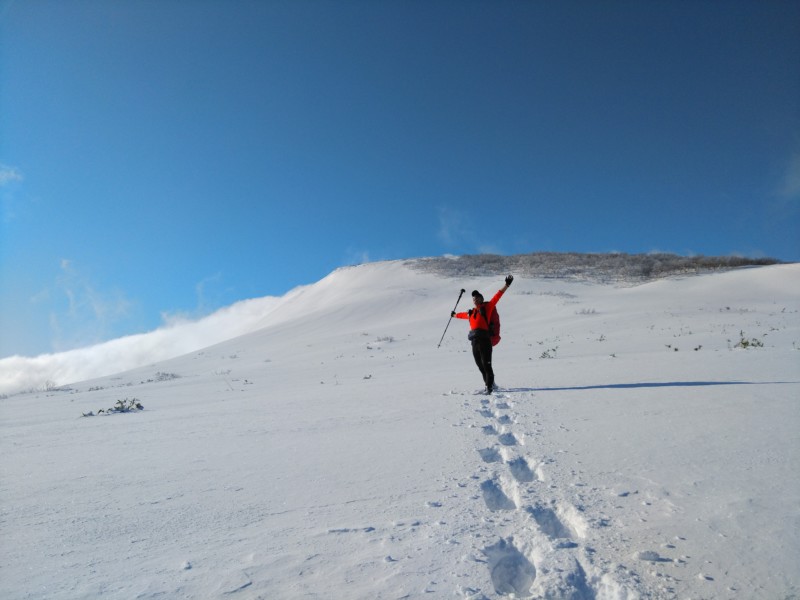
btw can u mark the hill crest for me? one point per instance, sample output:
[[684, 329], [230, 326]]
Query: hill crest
[[610, 267]]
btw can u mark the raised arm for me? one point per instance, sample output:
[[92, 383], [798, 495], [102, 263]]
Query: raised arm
[[502, 290]]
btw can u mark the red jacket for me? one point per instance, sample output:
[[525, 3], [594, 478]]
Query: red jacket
[[476, 320]]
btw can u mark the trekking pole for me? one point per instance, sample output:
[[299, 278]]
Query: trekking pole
[[451, 317]]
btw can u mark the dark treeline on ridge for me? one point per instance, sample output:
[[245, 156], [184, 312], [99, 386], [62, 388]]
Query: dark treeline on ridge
[[596, 267]]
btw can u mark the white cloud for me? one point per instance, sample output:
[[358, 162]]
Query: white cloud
[[8, 202], [356, 257], [200, 288], [9, 174], [790, 186], [80, 312], [453, 228], [489, 249]]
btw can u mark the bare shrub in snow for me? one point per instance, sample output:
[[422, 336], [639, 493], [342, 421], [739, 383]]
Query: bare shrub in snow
[[166, 376], [122, 406], [748, 343]]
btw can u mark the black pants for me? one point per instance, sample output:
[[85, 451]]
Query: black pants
[[482, 353]]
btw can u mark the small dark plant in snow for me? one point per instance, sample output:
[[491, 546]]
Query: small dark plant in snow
[[551, 353], [745, 343], [166, 376], [122, 406]]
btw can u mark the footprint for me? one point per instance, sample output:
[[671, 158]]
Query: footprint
[[490, 455], [511, 571], [489, 430], [521, 470], [549, 523], [508, 439], [566, 578], [505, 420], [495, 498], [578, 582]]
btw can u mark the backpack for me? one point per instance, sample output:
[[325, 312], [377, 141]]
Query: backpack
[[494, 325]]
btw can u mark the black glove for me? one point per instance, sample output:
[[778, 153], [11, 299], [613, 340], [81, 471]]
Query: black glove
[[453, 314], [509, 279]]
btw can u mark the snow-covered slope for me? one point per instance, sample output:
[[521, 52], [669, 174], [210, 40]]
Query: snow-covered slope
[[636, 449]]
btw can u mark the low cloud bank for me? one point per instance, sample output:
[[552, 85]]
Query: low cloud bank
[[20, 374]]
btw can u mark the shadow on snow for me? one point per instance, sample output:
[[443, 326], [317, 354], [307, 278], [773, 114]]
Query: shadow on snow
[[654, 384]]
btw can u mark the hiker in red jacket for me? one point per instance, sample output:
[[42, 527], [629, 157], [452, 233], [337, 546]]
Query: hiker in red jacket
[[479, 318]]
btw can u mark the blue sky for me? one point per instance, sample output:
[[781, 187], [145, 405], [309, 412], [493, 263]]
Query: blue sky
[[163, 159]]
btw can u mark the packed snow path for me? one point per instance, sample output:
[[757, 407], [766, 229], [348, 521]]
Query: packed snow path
[[636, 448], [537, 554]]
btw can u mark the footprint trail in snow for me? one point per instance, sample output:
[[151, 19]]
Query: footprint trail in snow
[[533, 544]]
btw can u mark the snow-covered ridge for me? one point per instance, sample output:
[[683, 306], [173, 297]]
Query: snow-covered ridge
[[641, 446], [344, 290]]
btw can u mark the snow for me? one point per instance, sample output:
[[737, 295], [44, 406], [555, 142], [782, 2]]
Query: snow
[[633, 450]]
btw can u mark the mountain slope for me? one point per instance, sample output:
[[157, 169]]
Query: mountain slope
[[336, 452]]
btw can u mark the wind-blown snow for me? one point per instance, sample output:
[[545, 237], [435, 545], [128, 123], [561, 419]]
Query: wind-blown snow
[[635, 449], [20, 373]]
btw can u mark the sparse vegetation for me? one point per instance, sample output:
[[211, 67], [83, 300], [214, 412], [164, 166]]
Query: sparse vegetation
[[166, 376], [122, 406], [748, 343], [596, 267], [161, 376]]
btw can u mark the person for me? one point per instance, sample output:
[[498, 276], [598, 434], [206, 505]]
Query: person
[[479, 318]]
